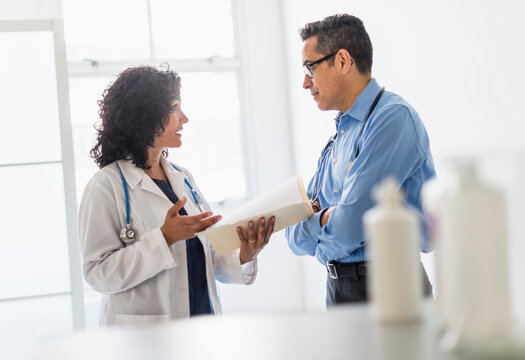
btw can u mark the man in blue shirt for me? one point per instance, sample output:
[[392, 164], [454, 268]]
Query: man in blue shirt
[[378, 134]]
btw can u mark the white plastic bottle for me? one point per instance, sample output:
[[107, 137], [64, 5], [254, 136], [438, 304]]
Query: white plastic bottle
[[470, 237], [395, 278]]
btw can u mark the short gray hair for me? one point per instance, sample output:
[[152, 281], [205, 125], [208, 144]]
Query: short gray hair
[[342, 31]]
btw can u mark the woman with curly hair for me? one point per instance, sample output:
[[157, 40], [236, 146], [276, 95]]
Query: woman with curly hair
[[140, 215]]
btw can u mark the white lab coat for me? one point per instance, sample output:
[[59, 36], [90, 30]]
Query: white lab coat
[[145, 282]]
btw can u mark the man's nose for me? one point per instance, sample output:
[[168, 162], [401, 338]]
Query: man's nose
[[307, 82]]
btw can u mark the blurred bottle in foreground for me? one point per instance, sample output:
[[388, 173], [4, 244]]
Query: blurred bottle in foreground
[[396, 289], [469, 231]]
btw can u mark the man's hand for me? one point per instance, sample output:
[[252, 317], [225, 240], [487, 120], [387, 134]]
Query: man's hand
[[316, 206], [326, 215]]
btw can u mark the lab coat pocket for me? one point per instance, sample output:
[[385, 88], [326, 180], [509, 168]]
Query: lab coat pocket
[[139, 320]]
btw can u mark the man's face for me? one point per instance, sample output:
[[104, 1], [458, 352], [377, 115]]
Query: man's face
[[324, 85]]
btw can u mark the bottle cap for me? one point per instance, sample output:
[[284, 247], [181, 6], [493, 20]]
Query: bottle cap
[[467, 170], [387, 193]]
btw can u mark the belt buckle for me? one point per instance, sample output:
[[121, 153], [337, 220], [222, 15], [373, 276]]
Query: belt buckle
[[332, 273]]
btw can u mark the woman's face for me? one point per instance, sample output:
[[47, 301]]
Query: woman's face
[[172, 137]]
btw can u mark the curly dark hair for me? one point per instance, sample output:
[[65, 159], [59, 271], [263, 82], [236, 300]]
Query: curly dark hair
[[342, 31], [134, 109]]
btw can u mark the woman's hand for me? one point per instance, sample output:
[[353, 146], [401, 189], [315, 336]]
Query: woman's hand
[[252, 243], [178, 227]]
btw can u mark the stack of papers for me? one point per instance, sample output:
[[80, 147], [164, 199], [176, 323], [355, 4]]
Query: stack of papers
[[288, 202]]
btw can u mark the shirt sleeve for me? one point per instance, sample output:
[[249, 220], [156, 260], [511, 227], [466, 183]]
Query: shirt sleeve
[[228, 268], [302, 237], [391, 146]]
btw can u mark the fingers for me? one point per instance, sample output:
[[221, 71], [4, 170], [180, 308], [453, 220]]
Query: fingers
[[253, 240], [326, 215], [206, 223], [174, 210], [258, 237], [200, 219], [242, 235], [251, 233], [261, 232], [201, 216], [265, 232], [316, 207], [269, 230]]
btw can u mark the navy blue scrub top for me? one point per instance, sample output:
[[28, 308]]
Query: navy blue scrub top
[[197, 282]]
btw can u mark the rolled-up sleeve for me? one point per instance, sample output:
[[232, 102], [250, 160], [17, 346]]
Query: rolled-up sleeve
[[303, 236], [394, 144]]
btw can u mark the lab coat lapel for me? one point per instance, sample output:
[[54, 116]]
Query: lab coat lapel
[[177, 182], [137, 177], [147, 202], [175, 178], [149, 185]]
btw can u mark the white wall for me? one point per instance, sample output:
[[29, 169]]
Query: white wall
[[459, 63], [278, 287], [29, 9]]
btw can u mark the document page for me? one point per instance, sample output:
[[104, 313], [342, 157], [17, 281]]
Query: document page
[[288, 202]]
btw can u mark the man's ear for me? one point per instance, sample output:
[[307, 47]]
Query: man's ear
[[344, 60]]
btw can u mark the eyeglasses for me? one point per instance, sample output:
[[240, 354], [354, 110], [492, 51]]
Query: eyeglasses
[[307, 67]]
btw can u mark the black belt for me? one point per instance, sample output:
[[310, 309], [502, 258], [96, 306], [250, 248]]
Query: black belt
[[355, 271]]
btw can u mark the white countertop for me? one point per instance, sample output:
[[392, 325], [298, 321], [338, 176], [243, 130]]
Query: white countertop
[[345, 332]]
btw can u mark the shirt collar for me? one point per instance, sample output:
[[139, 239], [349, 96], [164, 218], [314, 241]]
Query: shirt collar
[[363, 102]]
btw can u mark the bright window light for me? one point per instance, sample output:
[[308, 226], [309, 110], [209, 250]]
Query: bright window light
[[106, 30], [192, 29], [28, 98]]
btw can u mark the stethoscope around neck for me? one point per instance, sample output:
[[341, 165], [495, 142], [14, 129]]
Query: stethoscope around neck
[[128, 234], [329, 148]]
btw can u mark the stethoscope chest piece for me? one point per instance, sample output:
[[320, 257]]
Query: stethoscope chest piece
[[127, 235]]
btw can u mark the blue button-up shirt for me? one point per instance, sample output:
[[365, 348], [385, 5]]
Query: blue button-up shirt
[[394, 143]]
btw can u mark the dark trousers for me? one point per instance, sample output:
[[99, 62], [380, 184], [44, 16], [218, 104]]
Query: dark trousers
[[351, 285]]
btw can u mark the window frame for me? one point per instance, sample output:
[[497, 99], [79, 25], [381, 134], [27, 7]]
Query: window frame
[[56, 26], [99, 68]]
